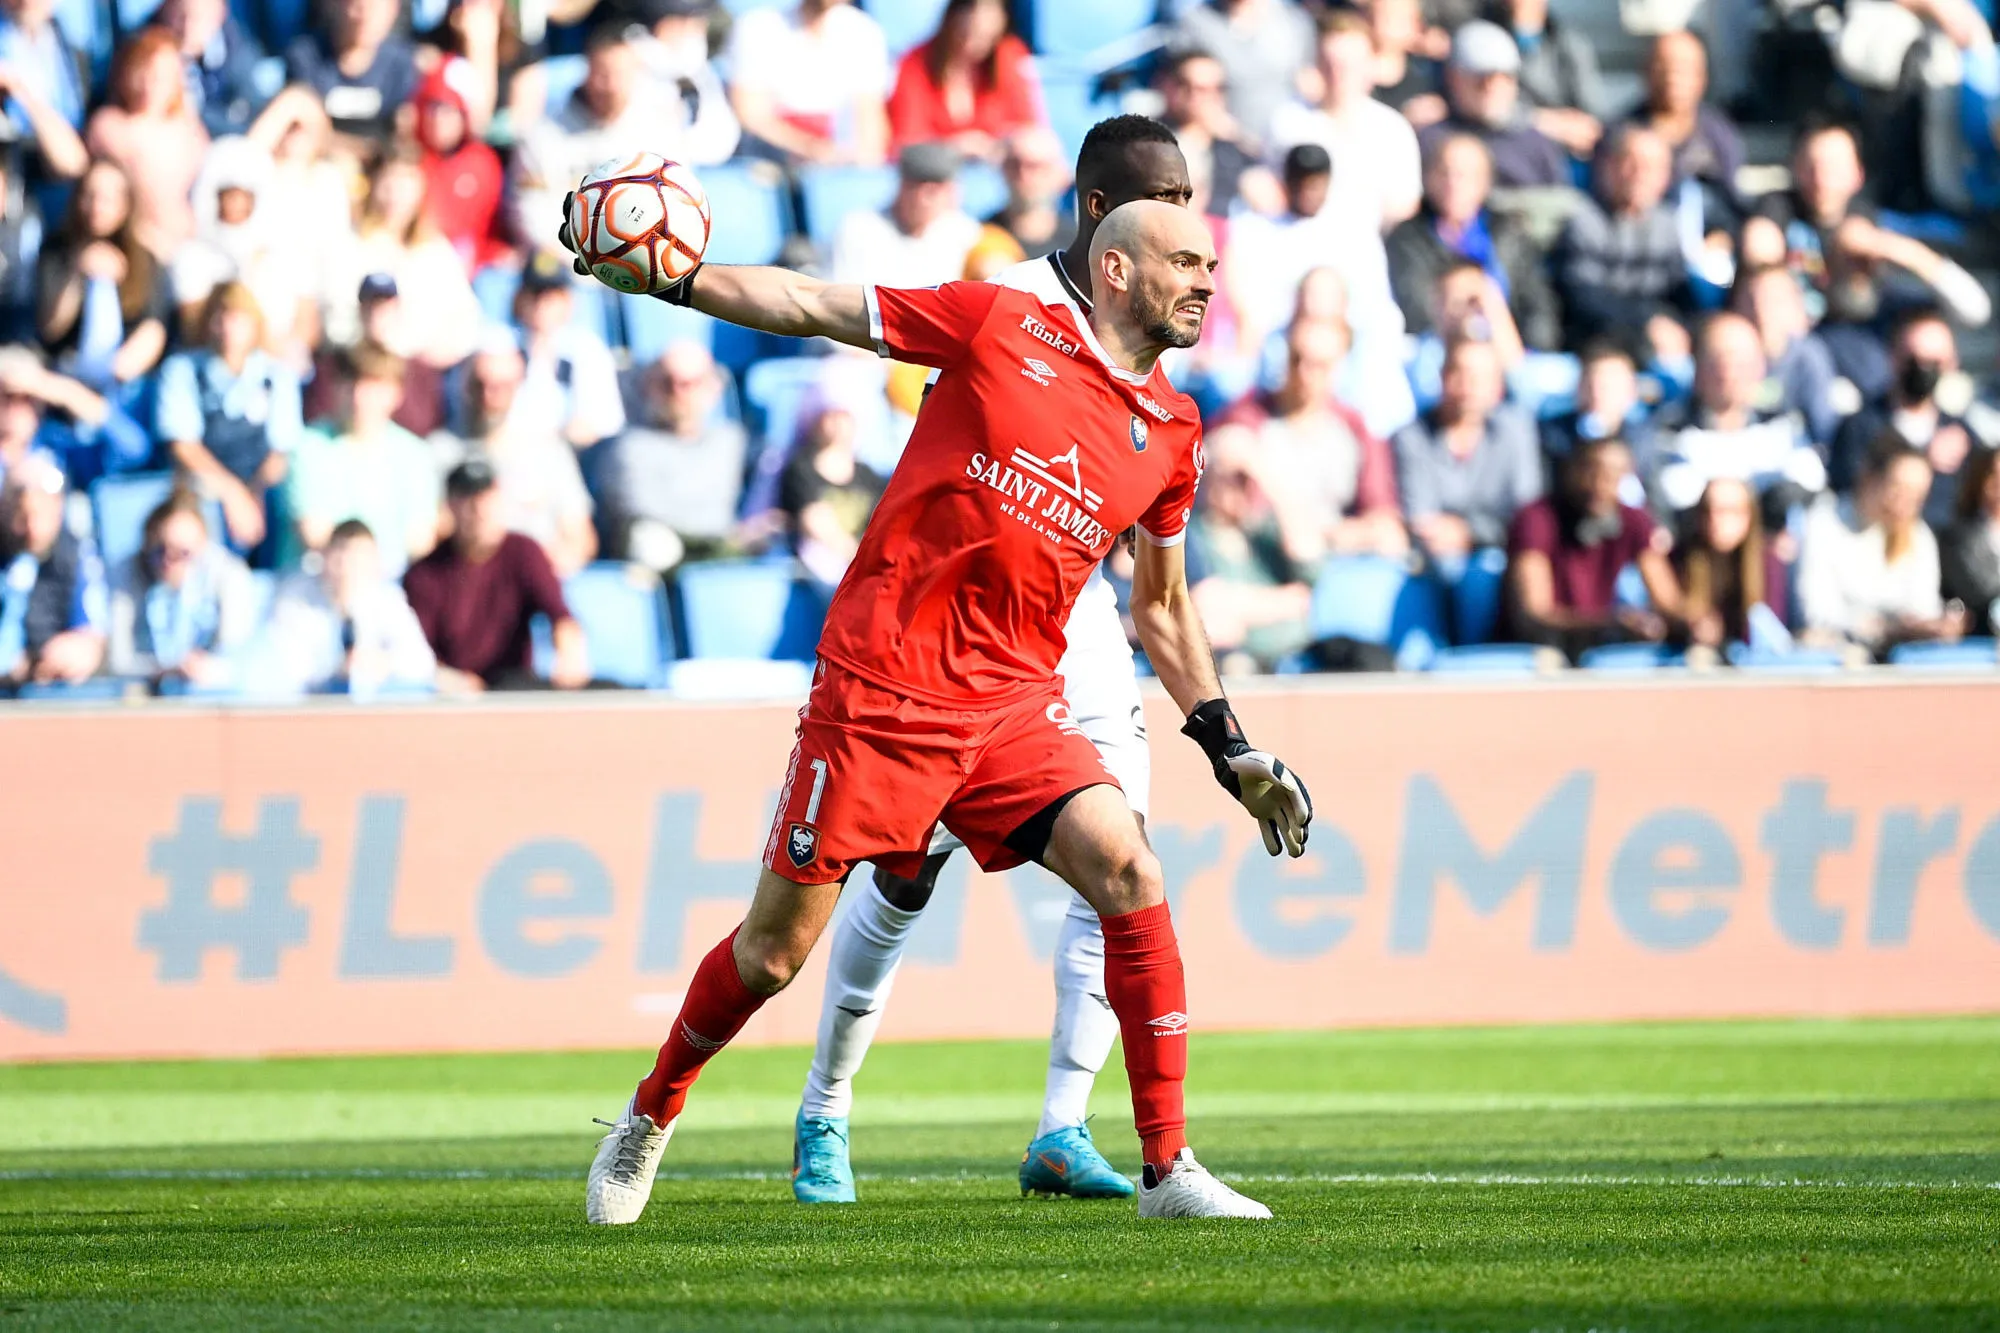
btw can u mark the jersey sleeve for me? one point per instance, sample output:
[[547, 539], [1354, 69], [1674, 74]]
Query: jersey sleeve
[[931, 326], [1165, 522]]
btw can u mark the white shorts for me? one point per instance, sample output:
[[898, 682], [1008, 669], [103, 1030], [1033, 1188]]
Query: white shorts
[[1103, 693]]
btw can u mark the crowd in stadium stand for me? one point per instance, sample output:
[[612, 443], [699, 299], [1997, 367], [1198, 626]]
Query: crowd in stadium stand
[[1509, 346]]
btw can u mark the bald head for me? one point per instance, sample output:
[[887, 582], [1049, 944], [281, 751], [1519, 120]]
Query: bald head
[[1152, 274]]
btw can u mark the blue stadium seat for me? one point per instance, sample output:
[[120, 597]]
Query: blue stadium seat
[[1489, 659], [831, 193], [563, 75], [1792, 662], [1070, 100], [1632, 658], [982, 190], [748, 609], [623, 613], [98, 689], [1374, 600], [905, 23], [750, 211], [1071, 29], [274, 22], [745, 6], [1476, 597], [717, 678], [1965, 655], [119, 506], [775, 390], [651, 325]]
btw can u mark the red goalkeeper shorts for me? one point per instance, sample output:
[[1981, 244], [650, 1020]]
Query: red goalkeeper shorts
[[873, 773]]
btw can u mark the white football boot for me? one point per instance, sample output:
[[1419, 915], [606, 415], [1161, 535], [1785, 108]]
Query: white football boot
[[1189, 1191], [621, 1176]]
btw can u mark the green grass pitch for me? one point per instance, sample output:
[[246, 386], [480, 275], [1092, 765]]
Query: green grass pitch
[[1744, 1175]]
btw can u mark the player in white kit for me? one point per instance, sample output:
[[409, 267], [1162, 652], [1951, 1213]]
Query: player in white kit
[[1122, 159]]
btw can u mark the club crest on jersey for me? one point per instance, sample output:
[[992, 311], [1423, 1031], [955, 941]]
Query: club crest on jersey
[[801, 844], [1138, 436], [1038, 370]]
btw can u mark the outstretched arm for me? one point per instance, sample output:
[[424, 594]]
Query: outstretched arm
[[780, 301]]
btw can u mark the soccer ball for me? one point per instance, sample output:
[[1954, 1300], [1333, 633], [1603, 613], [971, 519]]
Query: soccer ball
[[640, 222]]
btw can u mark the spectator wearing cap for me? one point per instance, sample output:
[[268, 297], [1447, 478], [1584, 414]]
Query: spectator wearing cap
[[84, 433], [237, 239], [1559, 76], [477, 595], [614, 110], [1372, 148], [1618, 262], [105, 300], [148, 128], [53, 607], [1455, 223], [1735, 425], [1468, 465], [672, 481], [971, 84], [1222, 165], [396, 234], [46, 84], [571, 384], [1869, 572], [922, 237], [1264, 47], [674, 53], [225, 81], [1565, 553], [542, 493], [359, 69], [229, 413], [1036, 215], [465, 177], [1852, 269], [347, 629], [365, 467], [1923, 365], [182, 606], [1269, 257], [1799, 359], [1338, 492], [1483, 93], [810, 83], [385, 325]]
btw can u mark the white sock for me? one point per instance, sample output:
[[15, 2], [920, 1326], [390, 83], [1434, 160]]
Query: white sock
[[1085, 1026], [868, 940]]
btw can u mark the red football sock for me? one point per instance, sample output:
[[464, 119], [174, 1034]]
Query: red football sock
[[717, 1006], [1148, 991]]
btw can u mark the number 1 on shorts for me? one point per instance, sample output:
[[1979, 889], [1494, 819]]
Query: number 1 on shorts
[[819, 790]]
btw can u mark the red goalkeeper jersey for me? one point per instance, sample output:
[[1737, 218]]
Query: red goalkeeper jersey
[[1032, 453]]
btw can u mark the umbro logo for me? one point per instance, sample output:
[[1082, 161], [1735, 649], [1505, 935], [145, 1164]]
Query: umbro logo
[[699, 1042], [1038, 370], [1174, 1024]]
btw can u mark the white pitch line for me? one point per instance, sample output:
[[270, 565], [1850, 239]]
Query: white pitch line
[[1481, 1179]]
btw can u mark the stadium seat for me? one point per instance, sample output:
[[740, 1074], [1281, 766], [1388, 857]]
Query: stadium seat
[[1476, 596], [119, 506], [1067, 28], [1374, 600], [652, 325], [623, 613], [982, 190], [563, 75], [905, 23], [1794, 662], [752, 214], [1632, 658], [748, 609], [745, 6], [1965, 655], [716, 678], [1490, 659], [1070, 99], [98, 689], [831, 193]]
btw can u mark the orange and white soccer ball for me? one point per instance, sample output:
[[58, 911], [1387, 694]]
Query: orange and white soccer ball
[[640, 222]]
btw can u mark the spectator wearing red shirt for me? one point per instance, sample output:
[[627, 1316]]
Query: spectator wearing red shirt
[[477, 594], [465, 175], [1566, 551], [971, 85]]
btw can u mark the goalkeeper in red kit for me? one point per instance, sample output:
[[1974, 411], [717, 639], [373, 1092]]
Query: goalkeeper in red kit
[[935, 698]]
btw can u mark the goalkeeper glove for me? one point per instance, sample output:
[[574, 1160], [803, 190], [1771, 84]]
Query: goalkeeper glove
[[681, 293], [1272, 793]]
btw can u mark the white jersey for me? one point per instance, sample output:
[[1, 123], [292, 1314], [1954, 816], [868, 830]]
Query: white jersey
[[1099, 681]]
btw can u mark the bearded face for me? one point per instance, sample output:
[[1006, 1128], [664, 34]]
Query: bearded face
[[1167, 311]]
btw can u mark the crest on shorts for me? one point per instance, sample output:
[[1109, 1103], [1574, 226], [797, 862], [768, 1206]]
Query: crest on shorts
[[801, 844], [1138, 436]]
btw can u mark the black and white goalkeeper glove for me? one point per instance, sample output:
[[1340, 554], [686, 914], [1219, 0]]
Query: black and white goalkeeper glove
[[681, 293], [1260, 782]]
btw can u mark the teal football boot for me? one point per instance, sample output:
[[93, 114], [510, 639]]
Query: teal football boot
[[1065, 1161], [820, 1170]]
